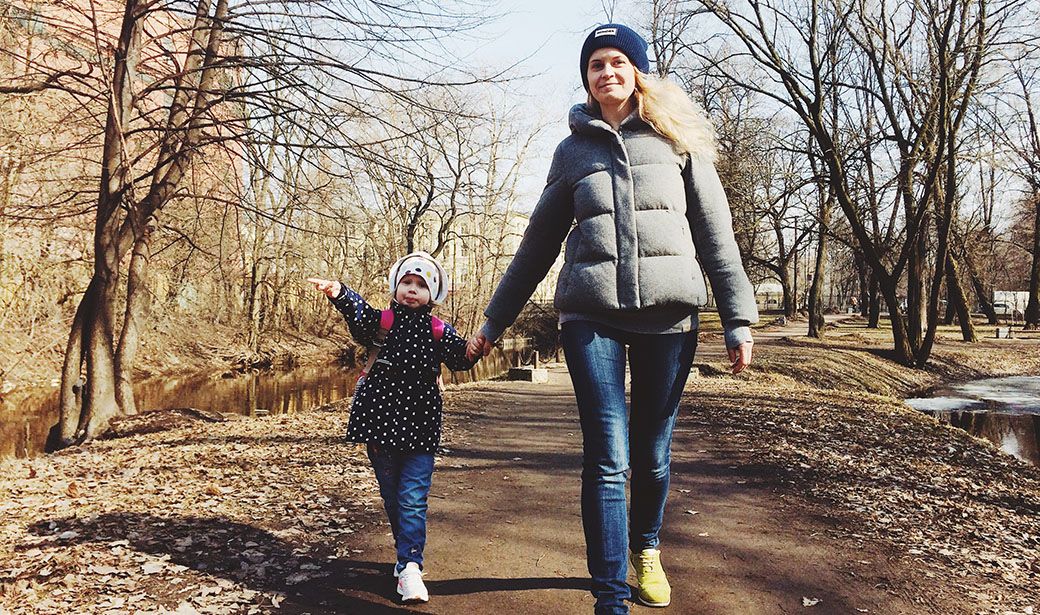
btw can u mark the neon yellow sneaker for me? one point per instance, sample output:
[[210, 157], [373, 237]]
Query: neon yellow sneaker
[[654, 589]]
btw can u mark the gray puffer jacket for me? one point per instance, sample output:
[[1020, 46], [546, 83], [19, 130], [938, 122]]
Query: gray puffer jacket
[[642, 217]]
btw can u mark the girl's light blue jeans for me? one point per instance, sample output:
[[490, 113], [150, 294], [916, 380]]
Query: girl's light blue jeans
[[404, 484], [616, 440]]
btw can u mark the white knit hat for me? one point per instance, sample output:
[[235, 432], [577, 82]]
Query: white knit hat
[[424, 266]]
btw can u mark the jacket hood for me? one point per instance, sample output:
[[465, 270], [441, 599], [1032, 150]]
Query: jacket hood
[[584, 121]]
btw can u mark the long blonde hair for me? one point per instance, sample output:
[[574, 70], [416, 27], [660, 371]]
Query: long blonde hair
[[672, 114]]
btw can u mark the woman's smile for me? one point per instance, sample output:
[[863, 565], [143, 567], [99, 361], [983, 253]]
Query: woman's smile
[[612, 76]]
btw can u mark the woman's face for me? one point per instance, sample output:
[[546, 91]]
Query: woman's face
[[412, 291], [612, 78]]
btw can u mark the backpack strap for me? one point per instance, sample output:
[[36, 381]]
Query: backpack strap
[[438, 334], [386, 320]]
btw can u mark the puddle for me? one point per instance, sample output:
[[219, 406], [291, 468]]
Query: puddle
[[1005, 411]]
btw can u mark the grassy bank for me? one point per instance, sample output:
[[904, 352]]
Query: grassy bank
[[169, 348]]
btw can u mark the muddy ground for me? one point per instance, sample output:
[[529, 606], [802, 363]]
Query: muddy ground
[[804, 486]]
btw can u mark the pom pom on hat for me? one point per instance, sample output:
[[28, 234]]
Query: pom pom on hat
[[425, 266]]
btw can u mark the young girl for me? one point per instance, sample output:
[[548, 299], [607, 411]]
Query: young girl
[[397, 406]]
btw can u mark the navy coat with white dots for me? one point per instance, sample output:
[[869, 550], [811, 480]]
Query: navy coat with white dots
[[399, 403]]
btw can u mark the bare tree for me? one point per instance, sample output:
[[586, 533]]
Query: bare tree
[[669, 25], [1016, 127], [175, 76], [783, 214], [922, 105]]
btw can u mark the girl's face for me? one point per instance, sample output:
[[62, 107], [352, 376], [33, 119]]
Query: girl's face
[[412, 291], [612, 78]]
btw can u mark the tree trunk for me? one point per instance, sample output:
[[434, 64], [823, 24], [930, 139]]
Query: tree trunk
[[816, 321], [874, 303], [951, 313], [981, 293], [1032, 315], [944, 220], [958, 302], [126, 352], [915, 291], [903, 347], [99, 399], [786, 285], [253, 340], [70, 395], [863, 275]]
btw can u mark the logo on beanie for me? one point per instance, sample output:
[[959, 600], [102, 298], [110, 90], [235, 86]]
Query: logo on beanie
[[605, 32]]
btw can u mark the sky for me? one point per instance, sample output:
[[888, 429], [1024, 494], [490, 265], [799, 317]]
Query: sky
[[545, 37]]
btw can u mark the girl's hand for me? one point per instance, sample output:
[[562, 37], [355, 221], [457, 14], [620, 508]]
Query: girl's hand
[[331, 288], [479, 346], [740, 357]]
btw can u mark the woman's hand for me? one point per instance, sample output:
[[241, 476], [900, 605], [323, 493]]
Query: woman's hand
[[331, 288], [478, 346], [740, 357]]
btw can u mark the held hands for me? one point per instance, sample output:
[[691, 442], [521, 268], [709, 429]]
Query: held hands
[[331, 288], [479, 346], [740, 357]]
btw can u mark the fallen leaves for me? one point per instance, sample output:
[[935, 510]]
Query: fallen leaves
[[153, 567], [74, 490], [103, 570], [955, 505], [222, 518]]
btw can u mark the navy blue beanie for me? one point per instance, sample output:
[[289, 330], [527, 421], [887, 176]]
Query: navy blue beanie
[[620, 37]]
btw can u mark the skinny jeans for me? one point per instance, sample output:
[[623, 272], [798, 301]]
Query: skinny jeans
[[617, 439]]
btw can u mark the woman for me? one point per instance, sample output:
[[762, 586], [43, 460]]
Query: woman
[[637, 177]]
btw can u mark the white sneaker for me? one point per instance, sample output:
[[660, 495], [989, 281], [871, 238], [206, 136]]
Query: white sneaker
[[410, 584]]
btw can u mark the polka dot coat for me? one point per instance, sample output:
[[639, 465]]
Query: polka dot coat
[[399, 404]]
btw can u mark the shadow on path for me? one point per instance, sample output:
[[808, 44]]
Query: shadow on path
[[311, 578]]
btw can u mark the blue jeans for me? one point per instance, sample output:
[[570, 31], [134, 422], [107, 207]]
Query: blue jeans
[[404, 483], [616, 440]]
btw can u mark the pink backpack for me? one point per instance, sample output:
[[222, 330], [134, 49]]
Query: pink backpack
[[386, 320]]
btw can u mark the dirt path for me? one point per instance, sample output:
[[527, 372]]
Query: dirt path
[[796, 488], [506, 536]]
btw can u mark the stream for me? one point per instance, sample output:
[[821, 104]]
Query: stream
[[26, 416], [1005, 411]]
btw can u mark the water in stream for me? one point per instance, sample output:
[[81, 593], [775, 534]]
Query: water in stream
[[1005, 411], [27, 416]]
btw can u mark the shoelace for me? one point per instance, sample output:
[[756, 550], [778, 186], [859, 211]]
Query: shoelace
[[647, 562]]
